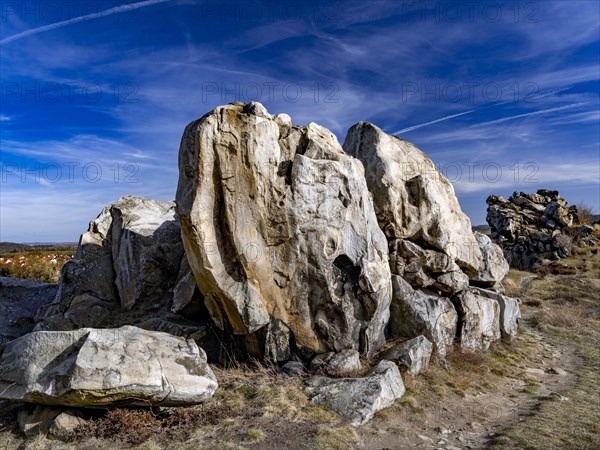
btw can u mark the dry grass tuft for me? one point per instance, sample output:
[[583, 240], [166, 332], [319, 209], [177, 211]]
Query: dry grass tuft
[[338, 438]]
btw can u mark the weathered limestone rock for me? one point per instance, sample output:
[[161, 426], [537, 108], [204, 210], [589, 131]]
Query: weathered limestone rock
[[346, 362], [510, 313], [19, 302], [100, 367], [277, 222], [478, 321], [414, 313], [414, 354], [413, 200], [494, 266], [358, 399], [130, 269]]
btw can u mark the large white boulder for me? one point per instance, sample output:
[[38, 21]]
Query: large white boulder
[[277, 223], [494, 267], [479, 320]]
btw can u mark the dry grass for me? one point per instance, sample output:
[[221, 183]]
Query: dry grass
[[568, 313], [339, 438]]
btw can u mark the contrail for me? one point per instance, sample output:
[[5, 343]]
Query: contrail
[[534, 113], [64, 23], [405, 130]]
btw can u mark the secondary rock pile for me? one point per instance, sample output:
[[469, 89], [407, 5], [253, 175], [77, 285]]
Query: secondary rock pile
[[300, 250], [535, 228]]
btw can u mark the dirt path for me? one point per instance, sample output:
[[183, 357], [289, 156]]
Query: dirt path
[[525, 282], [472, 422]]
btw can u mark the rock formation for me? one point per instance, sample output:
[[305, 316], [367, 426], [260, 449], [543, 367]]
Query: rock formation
[[413, 200], [103, 367], [302, 252], [278, 225], [535, 228]]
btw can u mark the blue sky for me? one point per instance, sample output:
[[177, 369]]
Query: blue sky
[[503, 96]]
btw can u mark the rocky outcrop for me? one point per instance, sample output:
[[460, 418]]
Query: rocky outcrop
[[20, 301], [130, 269], [278, 224], [103, 367], [535, 228], [358, 399], [434, 255], [413, 354]]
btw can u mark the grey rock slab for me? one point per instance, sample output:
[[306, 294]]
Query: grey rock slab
[[20, 301], [102, 367]]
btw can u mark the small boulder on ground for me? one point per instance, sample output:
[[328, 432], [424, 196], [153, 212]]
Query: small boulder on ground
[[51, 421], [358, 399], [105, 367], [414, 354]]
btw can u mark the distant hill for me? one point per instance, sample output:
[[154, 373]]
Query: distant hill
[[15, 247], [485, 229]]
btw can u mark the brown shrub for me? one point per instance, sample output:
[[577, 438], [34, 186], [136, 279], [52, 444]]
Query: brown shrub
[[585, 215], [135, 426]]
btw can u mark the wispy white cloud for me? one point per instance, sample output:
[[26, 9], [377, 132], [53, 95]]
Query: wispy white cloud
[[64, 23], [4, 118]]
